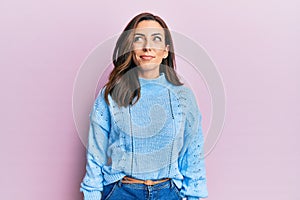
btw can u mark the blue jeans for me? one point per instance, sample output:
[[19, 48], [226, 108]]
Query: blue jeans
[[124, 191]]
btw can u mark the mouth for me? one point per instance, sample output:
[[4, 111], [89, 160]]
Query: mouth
[[146, 57]]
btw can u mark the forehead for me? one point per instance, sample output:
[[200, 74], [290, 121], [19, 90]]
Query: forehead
[[148, 27]]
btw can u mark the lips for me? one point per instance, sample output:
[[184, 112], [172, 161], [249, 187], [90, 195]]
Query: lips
[[146, 57]]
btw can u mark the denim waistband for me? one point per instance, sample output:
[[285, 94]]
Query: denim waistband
[[141, 186]]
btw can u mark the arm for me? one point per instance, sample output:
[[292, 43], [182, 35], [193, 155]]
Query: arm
[[192, 163], [91, 186]]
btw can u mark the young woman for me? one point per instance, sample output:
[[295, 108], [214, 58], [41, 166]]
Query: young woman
[[145, 137]]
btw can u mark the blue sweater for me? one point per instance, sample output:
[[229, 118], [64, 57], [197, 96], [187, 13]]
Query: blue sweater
[[158, 137]]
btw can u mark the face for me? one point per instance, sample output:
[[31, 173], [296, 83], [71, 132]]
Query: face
[[149, 47]]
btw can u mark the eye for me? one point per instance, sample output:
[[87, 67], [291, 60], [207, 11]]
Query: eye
[[157, 38], [137, 39]]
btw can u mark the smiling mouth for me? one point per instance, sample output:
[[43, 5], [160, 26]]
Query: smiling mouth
[[146, 57]]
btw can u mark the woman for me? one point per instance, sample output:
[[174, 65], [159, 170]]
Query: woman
[[145, 136]]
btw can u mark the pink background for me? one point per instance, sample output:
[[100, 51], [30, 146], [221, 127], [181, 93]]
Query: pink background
[[255, 45]]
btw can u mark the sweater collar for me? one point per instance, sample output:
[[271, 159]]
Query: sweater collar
[[161, 80]]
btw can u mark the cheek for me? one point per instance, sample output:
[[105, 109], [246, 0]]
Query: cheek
[[137, 53], [160, 55], [136, 58]]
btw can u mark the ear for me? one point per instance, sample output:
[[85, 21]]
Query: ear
[[166, 51]]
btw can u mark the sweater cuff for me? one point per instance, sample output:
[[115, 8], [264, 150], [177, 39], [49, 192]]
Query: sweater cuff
[[92, 195], [192, 198]]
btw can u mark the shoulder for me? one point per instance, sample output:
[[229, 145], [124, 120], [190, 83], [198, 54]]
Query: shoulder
[[100, 103], [100, 95], [100, 109], [185, 94], [187, 101]]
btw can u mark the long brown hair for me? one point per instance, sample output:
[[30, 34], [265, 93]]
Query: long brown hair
[[123, 84]]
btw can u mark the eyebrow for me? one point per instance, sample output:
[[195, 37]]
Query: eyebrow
[[151, 34]]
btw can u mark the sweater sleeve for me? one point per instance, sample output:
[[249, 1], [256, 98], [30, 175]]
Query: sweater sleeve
[[99, 128], [191, 161]]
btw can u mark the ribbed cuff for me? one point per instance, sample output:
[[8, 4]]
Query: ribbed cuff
[[111, 178], [192, 198], [92, 195]]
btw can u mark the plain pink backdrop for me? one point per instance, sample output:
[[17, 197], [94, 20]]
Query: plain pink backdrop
[[255, 45]]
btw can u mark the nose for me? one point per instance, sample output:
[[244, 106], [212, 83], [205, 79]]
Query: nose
[[147, 45]]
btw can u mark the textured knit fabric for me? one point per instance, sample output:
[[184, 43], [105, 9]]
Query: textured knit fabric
[[158, 137]]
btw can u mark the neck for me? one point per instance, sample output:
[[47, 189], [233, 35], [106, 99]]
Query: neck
[[148, 74]]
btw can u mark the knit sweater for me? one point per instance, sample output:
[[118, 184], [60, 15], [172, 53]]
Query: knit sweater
[[158, 137]]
